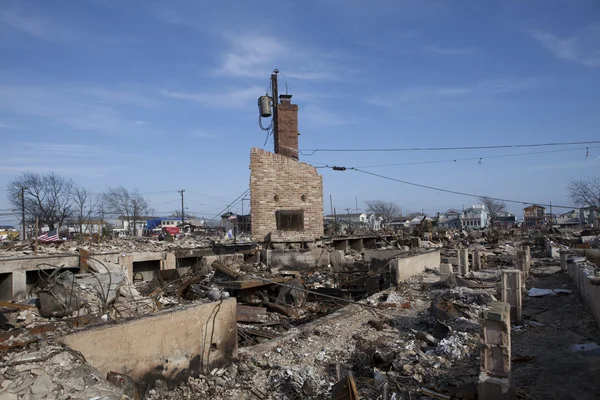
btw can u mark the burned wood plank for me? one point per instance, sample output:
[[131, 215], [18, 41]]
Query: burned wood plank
[[258, 332], [7, 304], [250, 313], [345, 389], [280, 309], [219, 266]]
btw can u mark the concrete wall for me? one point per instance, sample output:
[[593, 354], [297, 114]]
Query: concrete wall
[[590, 294], [379, 258], [167, 345], [406, 267], [278, 183]]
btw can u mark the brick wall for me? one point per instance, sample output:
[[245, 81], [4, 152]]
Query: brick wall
[[275, 174], [286, 142]]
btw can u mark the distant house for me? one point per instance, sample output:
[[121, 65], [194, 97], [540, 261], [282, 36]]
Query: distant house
[[126, 224], [87, 226], [475, 217], [534, 215], [398, 223], [450, 219], [416, 221]]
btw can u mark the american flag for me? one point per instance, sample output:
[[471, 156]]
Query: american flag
[[50, 236]]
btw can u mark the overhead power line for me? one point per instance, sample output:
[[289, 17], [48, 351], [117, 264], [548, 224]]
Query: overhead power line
[[310, 152], [477, 158], [339, 168], [237, 199]]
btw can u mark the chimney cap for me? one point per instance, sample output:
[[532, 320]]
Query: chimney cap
[[285, 98]]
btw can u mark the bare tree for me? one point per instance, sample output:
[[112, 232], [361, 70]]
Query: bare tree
[[84, 203], [493, 206], [386, 209], [585, 193], [48, 197], [129, 205], [187, 215]]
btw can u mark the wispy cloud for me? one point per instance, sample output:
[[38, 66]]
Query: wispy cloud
[[229, 98], [429, 94], [11, 126], [202, 134], [255, 55], [39, 27], [449, 51], [318, 116], [583, 47], [85, 109]]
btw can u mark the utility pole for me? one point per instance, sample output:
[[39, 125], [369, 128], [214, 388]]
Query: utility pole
[[182, 217], [275, 94], [23, 210]]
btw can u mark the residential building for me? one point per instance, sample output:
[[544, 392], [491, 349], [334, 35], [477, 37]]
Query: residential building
[[475, 217], [88, 226], [534, 215], [504, 219], [577, 218], [127, 224], [450, 219]]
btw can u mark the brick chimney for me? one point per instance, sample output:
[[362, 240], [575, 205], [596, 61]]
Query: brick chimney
[[286, 134]]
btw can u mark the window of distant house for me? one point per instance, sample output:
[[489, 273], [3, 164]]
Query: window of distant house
[[290, 220]]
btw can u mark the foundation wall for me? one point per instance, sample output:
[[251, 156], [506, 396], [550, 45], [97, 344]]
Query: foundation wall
[[296, 259], [407, 267], [590, 294], [168, 345]]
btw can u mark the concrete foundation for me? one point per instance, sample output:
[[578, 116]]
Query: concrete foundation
[[477, 260], [589, 289], [463, 261], [407, 267], [445, 271], [563, 260], [511, 293], [494, 380], [17, 275], [166, 345], [296, 259]]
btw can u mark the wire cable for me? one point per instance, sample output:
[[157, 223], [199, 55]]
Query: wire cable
[[310, 152], [477, 158]]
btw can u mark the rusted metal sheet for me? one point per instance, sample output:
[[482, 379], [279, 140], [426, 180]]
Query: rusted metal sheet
[[36, 330], [250, 313], [84, 257]]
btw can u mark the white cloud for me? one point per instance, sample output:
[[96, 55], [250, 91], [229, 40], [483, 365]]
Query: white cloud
[[448, 51], [255, 56], [582, 48]]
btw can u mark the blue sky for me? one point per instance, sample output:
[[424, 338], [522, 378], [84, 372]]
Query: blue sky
[[161, 95]]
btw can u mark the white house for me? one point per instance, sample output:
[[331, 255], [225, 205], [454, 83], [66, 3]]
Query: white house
[[475, 217], [122, 223], [356, 221]]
